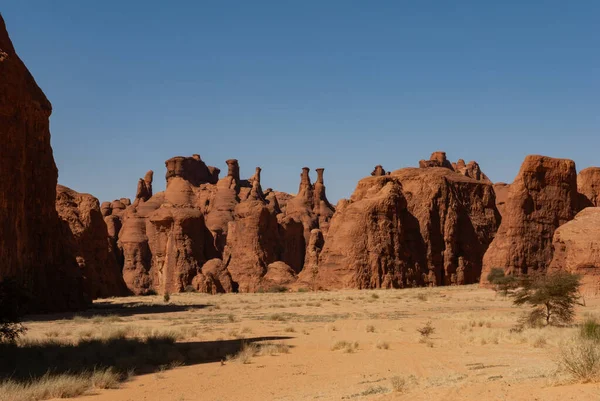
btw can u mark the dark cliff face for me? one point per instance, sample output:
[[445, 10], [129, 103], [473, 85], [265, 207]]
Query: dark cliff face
[[32, 246]]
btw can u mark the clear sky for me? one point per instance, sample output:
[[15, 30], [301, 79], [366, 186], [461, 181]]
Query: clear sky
[[281, 84]]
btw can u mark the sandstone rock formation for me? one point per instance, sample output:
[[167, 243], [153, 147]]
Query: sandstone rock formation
[[215, 235], [576, 247], [542, 198], [32, 248], [413, 227], [378, 171], [90, 243], [471, 170], [437, 159], [501, 190], [588, 185]]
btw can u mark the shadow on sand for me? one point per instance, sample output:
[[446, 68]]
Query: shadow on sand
[[116, 309], [33, 360]]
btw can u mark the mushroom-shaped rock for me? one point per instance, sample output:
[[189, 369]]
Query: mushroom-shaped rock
[[192, 169], [437, 159]]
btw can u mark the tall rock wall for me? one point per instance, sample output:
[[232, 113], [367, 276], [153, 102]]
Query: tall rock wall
[[32, 248], [542, 198]]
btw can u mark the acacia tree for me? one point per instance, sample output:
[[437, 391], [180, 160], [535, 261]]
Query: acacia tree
[[501, 281], [11, 302], [553, 297]]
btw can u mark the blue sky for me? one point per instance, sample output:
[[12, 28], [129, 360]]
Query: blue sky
[[343, 85]]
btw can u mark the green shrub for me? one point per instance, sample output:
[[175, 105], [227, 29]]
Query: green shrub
[[552, 297]]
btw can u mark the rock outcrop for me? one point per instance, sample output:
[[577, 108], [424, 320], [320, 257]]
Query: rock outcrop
[[576, 247], [90, 243], [471, 170], [171, 241], [378, 171], [501, 190], [542, 198], [437, 159], [427, 226], [32, 247], [588, 185]]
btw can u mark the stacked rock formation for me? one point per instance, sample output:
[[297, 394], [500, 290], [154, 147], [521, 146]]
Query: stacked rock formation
[[90, 243], [32, 247], [215, 235], [542, 198]]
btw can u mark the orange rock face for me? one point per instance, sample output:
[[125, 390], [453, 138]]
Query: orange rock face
[[501, 190], [214, 235], [588, 185], [542, 198], [32, 249], [90, 243], [413, 227], [576, 247]]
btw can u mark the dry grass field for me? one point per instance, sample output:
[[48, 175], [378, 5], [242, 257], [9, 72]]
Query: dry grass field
[[451, 343]]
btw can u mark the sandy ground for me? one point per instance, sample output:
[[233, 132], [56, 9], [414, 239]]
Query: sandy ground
[[472, 354]]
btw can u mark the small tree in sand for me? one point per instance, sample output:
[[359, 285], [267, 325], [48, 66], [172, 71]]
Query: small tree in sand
[[502, 283], [553, 297]]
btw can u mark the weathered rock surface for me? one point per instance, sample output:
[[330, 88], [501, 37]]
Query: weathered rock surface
[[90, 243], [501, 190], [542, 198], [471, 170], [278, 274], [413, 227], [588, 185], [576, 247], [33, 250], [437, 159]]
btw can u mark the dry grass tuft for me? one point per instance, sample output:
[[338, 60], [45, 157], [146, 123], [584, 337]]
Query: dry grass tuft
[[346, 346]]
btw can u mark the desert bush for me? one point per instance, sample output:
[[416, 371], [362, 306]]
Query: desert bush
[[590, 329], [370, 328], [382, 345], [12, 298], [502, 283], [167, 297], [273, 289], [552, 297], [190, 288], [426, 330], [581, 359], [399, 384], [346, 346]]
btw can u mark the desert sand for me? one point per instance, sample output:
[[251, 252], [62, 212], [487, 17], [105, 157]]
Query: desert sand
[[471, 355]]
